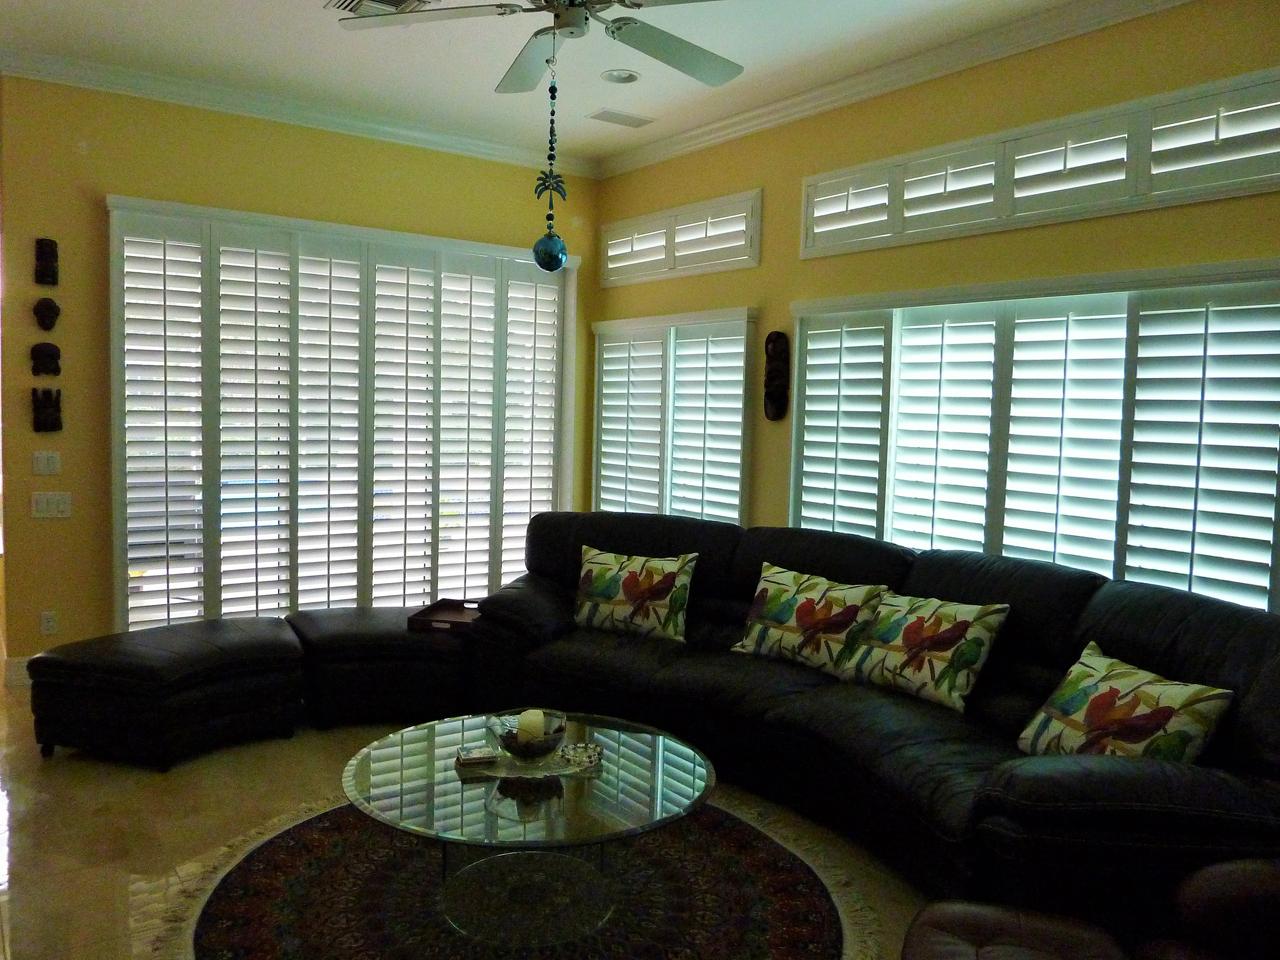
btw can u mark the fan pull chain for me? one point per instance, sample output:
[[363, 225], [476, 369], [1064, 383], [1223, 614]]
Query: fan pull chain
[[549, 252]]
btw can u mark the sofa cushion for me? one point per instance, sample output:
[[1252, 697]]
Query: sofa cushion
[[730, 686], [1037, 640], [602, 661], [915, 757], [370, 633], [1104, 705], [1196, 639], [641, 595], [841, 557], [808, 619], [553, 548], [170, 656], [931, 649]]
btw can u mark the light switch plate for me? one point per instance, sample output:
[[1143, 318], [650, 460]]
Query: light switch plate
[[46, 463], [49, 505]]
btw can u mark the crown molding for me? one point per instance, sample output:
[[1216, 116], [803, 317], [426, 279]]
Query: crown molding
[[226, 99], [1060, 23]]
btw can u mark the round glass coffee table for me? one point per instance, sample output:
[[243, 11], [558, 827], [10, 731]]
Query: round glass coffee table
[[525, 855]]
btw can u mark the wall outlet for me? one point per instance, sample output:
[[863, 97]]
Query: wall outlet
[[46, 463], [48, 622]]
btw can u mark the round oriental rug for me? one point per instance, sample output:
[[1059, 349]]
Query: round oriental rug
[[341, 884], [740, 878]]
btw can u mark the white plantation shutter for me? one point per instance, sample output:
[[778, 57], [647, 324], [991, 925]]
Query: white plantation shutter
[[305, 417], [706, 422], [1065, 415], [404, 430], [1206, 441], [841, 414], [957, 188], [670, 415], [629, 436], [855, 207], [942, 443], [1221, 139], [255, 377], [719, 234], [1088, 166], [530, 394], [468, 314], [328, 459], [1230, 137], [163, 472]]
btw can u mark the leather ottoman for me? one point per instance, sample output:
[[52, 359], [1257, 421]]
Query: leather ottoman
[[154, 696], [955, 930], [363, 665]]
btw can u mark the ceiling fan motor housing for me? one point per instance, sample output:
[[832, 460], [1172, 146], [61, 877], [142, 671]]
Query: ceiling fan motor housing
[[571, 22]]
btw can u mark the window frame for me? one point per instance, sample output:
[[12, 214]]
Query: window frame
[[1136, 285], [733, 321], [208, 227]]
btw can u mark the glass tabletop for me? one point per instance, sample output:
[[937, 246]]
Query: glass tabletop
[[645, 778]]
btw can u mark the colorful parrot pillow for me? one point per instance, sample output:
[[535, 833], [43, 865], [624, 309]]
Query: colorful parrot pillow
[[931, 649], [1107, 706], [802, 617], [644, 595]]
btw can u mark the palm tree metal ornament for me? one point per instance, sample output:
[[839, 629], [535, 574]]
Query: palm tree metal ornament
[[550, 253]]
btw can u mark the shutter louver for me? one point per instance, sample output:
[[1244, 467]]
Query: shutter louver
[[1205, 446], [468, 311], [637, 255], [404, 380], [1223, 139], [841, 435], [706, 425], [163, 463], [1066, 406], [942, 447], [1090, 166], [849, 208], [629, 453], [530, 401], [959, 188], [328, 431], [254, 298]]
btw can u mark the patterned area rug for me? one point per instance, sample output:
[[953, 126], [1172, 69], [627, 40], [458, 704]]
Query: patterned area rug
[[741, 878]]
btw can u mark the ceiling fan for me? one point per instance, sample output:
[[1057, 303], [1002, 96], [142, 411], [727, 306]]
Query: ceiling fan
[[572, 20]]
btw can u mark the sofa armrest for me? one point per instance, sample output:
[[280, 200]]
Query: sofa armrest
[[528, 611], [1138, 797]]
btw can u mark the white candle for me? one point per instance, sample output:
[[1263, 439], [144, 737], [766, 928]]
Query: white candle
[[531, 726]]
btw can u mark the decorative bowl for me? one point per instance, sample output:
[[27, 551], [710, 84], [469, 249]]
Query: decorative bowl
[[523, 745]]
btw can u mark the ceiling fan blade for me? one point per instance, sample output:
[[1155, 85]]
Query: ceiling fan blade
[[530, 65], [689, 58], [441, 13]]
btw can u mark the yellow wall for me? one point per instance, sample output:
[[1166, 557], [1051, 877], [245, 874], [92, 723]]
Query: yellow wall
[[62, 150], [1180, 47]]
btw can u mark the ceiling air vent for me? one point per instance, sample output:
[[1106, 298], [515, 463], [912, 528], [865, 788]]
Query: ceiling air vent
[[374, 7], [620, 118]]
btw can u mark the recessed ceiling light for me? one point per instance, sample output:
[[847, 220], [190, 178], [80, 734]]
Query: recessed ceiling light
[[620, 76]]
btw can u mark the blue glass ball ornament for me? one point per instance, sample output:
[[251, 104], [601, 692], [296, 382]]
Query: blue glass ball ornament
[[550, 253]]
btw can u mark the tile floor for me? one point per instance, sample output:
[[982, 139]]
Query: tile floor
[[88, 849]]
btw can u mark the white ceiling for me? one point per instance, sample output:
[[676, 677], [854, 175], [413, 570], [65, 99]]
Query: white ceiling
[[440, 76]]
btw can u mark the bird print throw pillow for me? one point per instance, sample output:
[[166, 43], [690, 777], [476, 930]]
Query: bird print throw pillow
[[932, 649], [644, 595], [1107, 706], [809, 619]]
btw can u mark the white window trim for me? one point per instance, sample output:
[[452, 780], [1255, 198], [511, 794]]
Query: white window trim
[[1138, 114], [665, 327], [830, 313], [211, 221], [666, 220]]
